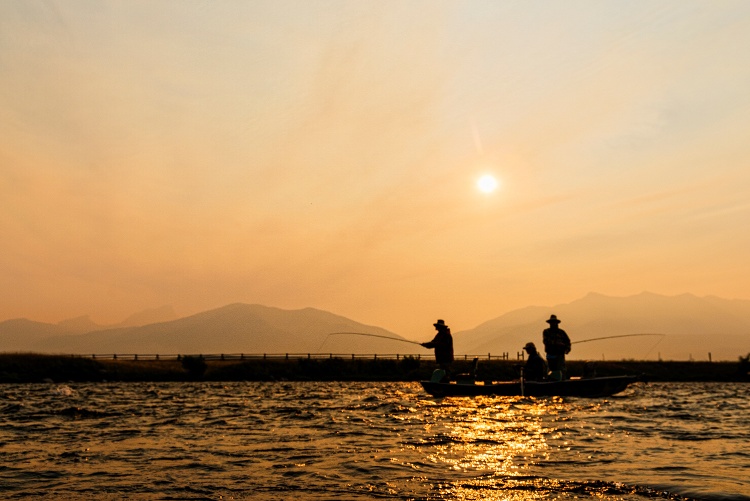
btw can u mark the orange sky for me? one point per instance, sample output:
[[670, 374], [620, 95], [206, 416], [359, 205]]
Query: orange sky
[[325, 154]]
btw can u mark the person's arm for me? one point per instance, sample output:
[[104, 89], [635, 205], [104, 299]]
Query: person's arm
[[431, 344]]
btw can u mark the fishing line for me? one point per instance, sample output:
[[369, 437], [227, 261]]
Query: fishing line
[[654, 346], [365, 334]]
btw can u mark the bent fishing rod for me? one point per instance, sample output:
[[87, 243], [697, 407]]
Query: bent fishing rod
[[368, 335], [613, 337], [372, 335]]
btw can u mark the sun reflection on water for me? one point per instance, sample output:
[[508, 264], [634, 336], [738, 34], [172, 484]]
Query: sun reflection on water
[[502, 436], [500, 439]]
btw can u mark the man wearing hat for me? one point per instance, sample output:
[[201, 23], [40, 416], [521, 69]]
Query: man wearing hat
[[535, 368], [556, 346], [443, 345]]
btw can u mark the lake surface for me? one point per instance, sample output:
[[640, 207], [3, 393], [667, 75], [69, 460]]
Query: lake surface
[[364, 441]]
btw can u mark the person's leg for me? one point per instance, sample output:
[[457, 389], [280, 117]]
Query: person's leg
[[555, 369]]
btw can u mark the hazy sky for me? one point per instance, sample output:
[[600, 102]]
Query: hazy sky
[[326, 153]]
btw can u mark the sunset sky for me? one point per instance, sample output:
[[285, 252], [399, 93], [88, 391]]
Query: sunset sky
[[327, 153]]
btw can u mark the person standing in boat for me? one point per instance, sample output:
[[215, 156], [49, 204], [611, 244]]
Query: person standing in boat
[[535, 368], [443, 345], [556, 346]]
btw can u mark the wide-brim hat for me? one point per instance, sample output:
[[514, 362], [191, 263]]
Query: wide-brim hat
[[530, 346], [553, 320], [440, 323]]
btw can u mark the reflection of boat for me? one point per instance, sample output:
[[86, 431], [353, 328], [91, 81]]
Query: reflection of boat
[[574, 387]]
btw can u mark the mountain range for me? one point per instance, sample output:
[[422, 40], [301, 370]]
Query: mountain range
[[668, 327], [235, 328], [679, 327]]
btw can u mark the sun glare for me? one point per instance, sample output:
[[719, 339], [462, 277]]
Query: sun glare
[[487, 183]]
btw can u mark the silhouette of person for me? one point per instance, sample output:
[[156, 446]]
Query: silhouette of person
[[443, 345], [535, 368], [556, 346]]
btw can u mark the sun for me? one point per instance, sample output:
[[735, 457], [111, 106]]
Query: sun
[[487, 183]]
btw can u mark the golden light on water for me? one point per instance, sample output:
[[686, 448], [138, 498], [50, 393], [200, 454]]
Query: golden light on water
[[495, 436], [501, 439]]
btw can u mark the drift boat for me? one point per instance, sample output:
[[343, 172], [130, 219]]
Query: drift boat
[[574, 387]]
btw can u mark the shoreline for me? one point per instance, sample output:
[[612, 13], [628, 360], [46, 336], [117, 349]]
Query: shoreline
[[38, 368]]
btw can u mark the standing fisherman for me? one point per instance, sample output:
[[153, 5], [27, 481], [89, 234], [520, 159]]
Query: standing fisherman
[[556, 346], [443, 345]]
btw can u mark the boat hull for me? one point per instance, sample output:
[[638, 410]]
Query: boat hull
[[589, 388]]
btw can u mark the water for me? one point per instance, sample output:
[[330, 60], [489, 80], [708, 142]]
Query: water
[[365, 441]]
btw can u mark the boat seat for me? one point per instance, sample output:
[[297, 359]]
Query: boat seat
[[468, 377]]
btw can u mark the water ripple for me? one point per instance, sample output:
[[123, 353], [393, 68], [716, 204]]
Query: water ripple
[[369, 441]]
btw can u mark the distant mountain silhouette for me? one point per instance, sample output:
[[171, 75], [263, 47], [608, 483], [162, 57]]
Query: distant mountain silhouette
[[84, 323], [236, 328], [79, 325], [693, 327], [21, 334], [150, 316]]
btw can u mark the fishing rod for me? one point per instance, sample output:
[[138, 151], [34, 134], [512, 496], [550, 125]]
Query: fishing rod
[[613, 337], [373, 335], [368, 335]]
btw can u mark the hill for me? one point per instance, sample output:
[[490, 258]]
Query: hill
[[236, 328], [692, 328], [150, 316], [20, 334]]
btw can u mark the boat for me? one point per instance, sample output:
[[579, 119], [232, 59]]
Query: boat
[[593, 387]]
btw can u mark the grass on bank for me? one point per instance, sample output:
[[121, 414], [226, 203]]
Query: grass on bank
[[31, 368]]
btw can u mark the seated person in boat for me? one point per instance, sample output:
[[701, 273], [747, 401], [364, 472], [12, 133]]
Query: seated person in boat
[[443, 345], [535, 368]]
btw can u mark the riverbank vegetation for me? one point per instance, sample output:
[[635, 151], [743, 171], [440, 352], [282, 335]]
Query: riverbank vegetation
[[28, 367]]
